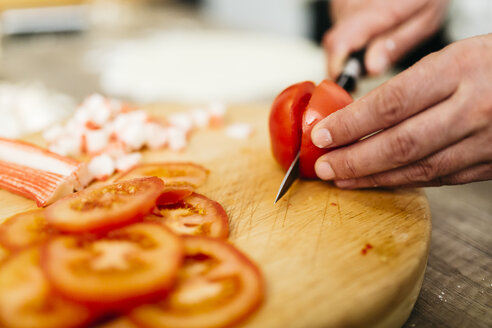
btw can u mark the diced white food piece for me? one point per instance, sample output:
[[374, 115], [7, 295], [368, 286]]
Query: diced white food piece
[[101, 167], [53, 133], [96, 140], [97, 109], [66, 145], [115, 105], [181, 120], [177, 138], [156, 136], [239, 130], [115, 149], [126, 162], [81, 116], [217, 108], [200, 117], [75, 128], [122, 121], [133, 135]]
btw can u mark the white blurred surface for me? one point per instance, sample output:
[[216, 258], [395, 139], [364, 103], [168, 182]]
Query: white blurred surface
[[205, 65], [469, 18]]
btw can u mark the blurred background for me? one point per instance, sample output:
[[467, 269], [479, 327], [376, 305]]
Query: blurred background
[[53, 53]]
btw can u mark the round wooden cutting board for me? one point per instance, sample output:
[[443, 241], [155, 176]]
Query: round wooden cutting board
[[331, 258]]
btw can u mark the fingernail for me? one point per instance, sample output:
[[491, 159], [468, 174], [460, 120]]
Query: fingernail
[[347, 183], [322, 138], [378, 64], [324, 171]]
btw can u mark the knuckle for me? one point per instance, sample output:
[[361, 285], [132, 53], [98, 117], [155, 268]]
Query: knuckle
[[390, 105], [347, 169], [403, 149], [423, 171]]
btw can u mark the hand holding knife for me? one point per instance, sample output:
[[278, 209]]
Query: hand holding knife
[[353, 69]]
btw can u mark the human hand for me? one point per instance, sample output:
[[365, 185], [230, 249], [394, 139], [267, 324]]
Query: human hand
[[388, 30], [436, 121]]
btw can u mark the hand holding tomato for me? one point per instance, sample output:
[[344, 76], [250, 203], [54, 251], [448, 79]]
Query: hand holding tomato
[[294, 113], [436, 122], [388, 29]]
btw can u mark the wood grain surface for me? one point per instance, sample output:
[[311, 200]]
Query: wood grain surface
[[331, 258]]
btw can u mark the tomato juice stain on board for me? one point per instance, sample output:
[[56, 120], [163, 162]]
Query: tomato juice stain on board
[[366, 248]]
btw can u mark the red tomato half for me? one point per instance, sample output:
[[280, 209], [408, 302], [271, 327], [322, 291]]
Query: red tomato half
[[195, 215], [294, 113], [25, 229], [102, 208], [27, 300], [328, 97], [218, 287], [285, 121], [129, 266]]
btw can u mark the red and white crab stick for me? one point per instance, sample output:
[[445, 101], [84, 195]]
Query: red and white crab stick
[[39, 174]]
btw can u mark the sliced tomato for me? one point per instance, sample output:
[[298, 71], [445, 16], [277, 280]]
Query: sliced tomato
[[195, 215], [105, 207], [129, 266], [173, 174], [218, 287], [4, 254], [121, 322], [294, 113], [28, 301], [328, 97], [25, 229], [285, 121], [172, 195]]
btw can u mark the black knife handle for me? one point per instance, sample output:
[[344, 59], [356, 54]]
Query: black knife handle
[[352, 71]]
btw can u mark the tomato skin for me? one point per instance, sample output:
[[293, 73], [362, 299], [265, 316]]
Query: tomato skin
[[115, 272], [25, 229], [285, 121], [195, 215], [174, 174], [28, 301], [172, 195], [327, 98], [102, 208], [208, 262]]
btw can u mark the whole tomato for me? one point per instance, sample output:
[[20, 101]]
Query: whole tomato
[[294, 113]]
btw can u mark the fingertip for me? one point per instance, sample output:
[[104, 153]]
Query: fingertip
[[321, 137], [377, 63], [324, 170]]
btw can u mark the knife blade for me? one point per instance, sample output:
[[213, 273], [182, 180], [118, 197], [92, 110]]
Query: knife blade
[[352, 70]]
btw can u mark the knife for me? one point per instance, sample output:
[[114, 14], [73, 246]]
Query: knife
[[353, 69]]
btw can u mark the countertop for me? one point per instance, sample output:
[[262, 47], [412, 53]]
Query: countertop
[[457, 288]]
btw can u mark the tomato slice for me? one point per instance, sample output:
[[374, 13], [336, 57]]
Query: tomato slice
[[218, 286], [105, 207], [25, 229], [195, 215], [327, 98], [285, 121], [173, 174], [172, 195], [294, 113], [4, 254], [127, 267], [27, 300]]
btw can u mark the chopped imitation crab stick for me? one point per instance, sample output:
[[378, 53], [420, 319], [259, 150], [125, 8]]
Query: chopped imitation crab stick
[[37, 173], [25, 154], [42, 186]]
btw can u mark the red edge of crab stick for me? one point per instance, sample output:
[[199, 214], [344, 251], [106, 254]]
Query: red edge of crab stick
[[37, 173], [42, 186]]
